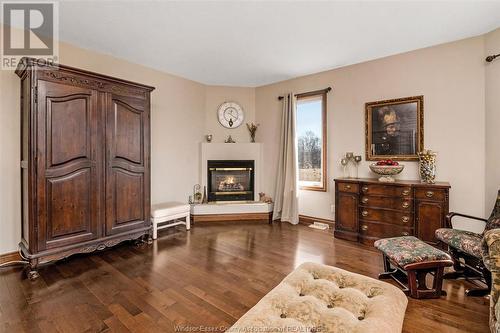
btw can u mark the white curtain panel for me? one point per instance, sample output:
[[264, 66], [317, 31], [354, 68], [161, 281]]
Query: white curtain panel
[[286, 199]]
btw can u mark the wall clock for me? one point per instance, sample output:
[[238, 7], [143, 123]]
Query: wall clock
[[230, 114]]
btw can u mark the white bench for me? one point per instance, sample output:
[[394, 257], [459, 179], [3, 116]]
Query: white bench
[[169, 211]]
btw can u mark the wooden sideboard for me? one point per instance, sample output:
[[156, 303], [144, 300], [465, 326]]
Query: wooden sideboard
[[367, 210]]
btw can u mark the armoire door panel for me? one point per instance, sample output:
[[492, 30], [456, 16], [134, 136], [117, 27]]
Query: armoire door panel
[[69, 204], [127, 172], [68, 117], [129, 196], [128, 132], [69, 190]]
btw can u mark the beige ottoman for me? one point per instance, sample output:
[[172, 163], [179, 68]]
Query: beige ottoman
[[320, 298]]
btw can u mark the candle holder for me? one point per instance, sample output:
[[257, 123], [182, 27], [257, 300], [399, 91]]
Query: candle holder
[[357, 160], [344, 163], [348, 159]]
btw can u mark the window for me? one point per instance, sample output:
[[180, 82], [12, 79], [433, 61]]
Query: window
[[311, 140]]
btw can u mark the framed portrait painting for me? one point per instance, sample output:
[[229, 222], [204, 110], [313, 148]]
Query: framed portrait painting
[[395, 129]]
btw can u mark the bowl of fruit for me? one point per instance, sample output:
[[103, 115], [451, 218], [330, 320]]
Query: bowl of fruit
[[386, 169]]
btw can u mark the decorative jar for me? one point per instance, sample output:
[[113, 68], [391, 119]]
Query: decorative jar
[[427, 166]]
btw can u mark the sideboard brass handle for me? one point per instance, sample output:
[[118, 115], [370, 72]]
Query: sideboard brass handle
[[405, 192], [364, 213], [348, 187], [364, 200], [406, 204], [364, 227], [429, 194], [404, 233], [405, 219], [364, 188]]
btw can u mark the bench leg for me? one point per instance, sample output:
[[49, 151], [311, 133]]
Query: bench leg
[[155, 230], [418, 286], [188, 221], [412, 283]]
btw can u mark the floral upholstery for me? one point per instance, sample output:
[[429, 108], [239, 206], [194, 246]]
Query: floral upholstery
[[491, 258], [409, 250], [465, 241], [494, 219], [319, 298]]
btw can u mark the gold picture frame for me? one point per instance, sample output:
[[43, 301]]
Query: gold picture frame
[[394, 129]]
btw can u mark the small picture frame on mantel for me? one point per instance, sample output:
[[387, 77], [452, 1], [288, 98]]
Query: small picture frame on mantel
[[394, 129]]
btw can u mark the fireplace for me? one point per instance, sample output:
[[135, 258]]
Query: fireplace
[[230, 180]]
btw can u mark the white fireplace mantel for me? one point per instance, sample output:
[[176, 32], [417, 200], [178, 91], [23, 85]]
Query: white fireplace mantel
[[233, 151]]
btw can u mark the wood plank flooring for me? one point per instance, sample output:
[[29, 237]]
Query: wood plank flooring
[[209, 276]]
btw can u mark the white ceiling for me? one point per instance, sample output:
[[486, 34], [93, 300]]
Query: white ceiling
[[257, 42]]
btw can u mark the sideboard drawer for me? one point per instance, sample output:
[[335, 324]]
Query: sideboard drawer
[[393, 191], [399, 203], [348, 187], [369, 229], [430, 194], [386, 216]]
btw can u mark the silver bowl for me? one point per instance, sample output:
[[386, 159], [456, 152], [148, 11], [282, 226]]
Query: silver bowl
[[386, 171]]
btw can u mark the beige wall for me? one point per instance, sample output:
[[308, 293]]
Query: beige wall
[[215, 96], [451, 78], [177, 120], [492, 46]]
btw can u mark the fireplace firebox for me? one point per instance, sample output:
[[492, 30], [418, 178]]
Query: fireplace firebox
[[230, 180]]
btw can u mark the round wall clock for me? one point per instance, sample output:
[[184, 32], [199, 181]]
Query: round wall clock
[[230, 115]]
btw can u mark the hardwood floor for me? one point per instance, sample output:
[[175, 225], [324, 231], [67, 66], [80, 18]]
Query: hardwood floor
[[209, 276]]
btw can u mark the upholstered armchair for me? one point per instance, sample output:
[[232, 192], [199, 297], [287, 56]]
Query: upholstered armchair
[[491, 259], [465, 250]]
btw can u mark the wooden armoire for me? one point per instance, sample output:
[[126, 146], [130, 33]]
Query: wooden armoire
[[85, 161]]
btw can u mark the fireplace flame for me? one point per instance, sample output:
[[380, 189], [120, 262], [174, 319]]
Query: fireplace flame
[[229, 184]]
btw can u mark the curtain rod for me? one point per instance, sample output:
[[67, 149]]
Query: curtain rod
[[492, 57], [326, 90]]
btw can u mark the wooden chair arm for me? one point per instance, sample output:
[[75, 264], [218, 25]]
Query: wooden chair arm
[[453, 214]]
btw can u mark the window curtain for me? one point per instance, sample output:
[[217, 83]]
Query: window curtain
[[286, 200]]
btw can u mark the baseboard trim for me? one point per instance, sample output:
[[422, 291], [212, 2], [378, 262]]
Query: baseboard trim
[[11, 256], [304, 219]]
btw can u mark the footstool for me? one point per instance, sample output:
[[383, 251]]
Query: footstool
[[169, 211], [320, 298], [413, 259]]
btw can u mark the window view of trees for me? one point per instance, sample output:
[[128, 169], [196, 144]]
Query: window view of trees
[[310, 145], [309, 155]]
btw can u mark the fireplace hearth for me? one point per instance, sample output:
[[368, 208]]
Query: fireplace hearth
[[230, 180]]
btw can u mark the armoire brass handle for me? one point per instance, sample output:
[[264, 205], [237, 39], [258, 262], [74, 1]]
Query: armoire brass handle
[[404, 233], [405, 192], [364, 188], [364, 227], [364, 213], [406, 204], [364, 200], [347, 187], [405, 219], [429, 194]]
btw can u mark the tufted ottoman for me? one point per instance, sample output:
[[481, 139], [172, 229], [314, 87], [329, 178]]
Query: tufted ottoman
[[319, 298], [413, 259]]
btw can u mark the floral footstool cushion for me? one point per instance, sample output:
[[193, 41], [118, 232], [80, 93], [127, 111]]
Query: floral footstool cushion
[[408, 260]]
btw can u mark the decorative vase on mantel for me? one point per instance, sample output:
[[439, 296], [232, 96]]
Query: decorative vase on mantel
[[427, 166], [252, 128]]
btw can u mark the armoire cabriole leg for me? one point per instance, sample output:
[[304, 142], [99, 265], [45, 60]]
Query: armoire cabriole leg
[[32, 272]]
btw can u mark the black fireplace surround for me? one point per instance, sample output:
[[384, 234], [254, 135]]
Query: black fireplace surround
[[230, 180]]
